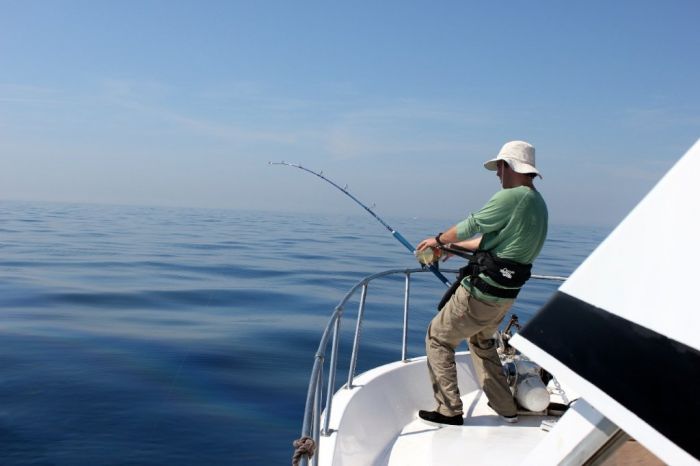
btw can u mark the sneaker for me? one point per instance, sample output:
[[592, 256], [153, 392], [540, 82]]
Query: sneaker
[[434, 416], [509, 419]]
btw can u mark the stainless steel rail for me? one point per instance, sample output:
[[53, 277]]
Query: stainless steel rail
[[314, 397]]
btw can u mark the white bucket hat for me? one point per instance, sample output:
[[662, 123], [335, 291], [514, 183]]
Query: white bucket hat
[[519, 155]]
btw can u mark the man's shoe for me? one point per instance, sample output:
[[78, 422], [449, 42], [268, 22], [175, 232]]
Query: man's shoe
[[509, 419], [434, 416]]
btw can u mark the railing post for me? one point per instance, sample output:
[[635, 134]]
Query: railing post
[[331, 372], [404, 341], [317, 416], [356, 341]]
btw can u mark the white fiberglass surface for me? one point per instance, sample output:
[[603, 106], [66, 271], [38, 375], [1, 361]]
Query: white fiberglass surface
[[376, 423], [484, 439], [367, 419]]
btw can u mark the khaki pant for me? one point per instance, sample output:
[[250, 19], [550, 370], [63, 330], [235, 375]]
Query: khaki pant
[[465, 317]]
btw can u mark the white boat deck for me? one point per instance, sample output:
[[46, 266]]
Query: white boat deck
[[376, 424], [484, 439]]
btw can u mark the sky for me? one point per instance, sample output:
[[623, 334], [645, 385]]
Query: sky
[[184, 103]]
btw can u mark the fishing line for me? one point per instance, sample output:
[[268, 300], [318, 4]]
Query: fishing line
[[170, 386], [399, 237]]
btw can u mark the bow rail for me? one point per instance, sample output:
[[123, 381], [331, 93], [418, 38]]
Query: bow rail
[[311, 428]]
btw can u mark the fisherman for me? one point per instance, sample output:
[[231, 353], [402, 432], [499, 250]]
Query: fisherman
[[507, 235]]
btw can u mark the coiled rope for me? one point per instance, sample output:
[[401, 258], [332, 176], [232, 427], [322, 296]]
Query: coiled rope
[[303, 446]]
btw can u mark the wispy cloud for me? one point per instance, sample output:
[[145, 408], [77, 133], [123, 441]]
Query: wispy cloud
[[648, 171], [147, 105], [151, 99], [404, 127], [654, 118], [28, 94], [245, 113], [344, 142]]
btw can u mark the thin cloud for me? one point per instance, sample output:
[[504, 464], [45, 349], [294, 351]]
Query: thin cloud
[[653, 118], [28, 94], [147, 99], [403, 128]]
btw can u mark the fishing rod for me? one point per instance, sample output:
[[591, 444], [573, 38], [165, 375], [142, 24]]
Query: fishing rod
[[394, 233]]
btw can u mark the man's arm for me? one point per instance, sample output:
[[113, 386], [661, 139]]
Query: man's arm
[[471, 244], [449, 236]]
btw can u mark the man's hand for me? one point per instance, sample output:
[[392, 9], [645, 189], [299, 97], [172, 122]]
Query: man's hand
[[427, 243]]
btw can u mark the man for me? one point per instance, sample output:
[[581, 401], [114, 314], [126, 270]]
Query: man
[[512, 228]]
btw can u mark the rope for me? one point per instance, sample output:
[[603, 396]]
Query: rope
[[557, 390], [303, 446]]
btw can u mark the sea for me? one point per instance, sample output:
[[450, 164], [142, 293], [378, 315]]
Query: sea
[[176, 336]]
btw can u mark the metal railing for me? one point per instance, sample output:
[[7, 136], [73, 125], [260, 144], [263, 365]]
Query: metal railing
[[314, 398]]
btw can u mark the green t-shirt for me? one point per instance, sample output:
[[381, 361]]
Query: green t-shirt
[[514, 226]]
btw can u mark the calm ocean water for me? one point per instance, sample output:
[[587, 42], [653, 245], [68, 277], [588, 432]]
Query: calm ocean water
[[135, 335]]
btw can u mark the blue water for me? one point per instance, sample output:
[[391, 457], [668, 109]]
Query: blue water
[[134, 335]]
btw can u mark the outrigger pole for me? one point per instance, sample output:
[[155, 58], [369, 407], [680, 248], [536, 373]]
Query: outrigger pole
[[394, 233]]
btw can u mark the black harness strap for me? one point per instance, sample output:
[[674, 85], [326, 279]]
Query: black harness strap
[[505, 272], [497, 291], [452, 289]]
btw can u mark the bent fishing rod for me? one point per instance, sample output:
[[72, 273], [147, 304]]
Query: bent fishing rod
[[394, 233]]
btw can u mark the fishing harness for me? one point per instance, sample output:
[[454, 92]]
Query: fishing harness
[[504, 272]]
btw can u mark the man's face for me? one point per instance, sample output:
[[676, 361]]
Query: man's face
[[505, 174], [501, 172]]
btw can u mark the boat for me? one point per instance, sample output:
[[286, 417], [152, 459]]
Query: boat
[[618, 341]]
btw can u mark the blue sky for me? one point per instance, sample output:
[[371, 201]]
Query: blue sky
[[183, 103]]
